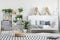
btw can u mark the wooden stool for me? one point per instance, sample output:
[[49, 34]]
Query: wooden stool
[[19, 34]]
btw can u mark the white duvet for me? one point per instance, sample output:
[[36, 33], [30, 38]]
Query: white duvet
[[40, 36]]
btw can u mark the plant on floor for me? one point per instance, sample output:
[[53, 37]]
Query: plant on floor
[[26, 24]]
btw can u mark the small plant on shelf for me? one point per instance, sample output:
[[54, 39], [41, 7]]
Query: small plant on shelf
[[20, 10], [15, 21], [7, 10], [18, 16], [4, 10]]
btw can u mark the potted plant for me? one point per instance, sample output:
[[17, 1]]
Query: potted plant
[[15, 21], [4, 10], [7, 10], [18, 17], [26, 25], [20, 10], [7, 13]]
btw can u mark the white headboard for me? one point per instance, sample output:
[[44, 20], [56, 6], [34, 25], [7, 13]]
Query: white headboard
[[35, 20]]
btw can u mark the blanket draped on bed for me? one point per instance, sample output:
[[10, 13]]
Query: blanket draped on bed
[[27, 37], [36, 37]]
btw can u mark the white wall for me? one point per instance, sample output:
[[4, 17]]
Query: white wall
[[27, 5], [59, 15]]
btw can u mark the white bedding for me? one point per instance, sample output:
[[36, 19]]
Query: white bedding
[[29, 36], [37, 37], [42, 34]]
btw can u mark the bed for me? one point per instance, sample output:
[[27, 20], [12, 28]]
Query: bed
[[6, 37], [30, 36]]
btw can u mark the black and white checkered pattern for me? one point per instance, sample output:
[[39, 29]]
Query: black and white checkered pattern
[[30, 37]]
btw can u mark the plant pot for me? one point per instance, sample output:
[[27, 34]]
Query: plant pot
[[18, 18], [7, 16], [14, 23]]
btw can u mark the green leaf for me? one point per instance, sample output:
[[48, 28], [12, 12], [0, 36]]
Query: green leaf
[[14, 21], [7, 10], [18, 16], [26, 24], [20, 10]]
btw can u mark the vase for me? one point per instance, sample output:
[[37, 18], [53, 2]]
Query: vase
[[7, 16]]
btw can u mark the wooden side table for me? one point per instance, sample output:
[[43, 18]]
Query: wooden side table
[[19, 34]]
